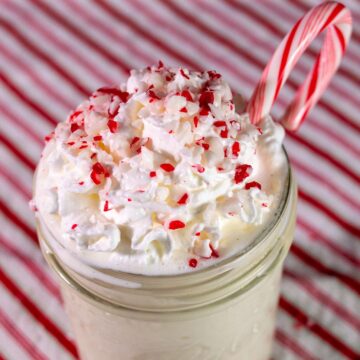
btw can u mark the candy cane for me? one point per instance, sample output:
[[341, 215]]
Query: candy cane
[[334, 17]]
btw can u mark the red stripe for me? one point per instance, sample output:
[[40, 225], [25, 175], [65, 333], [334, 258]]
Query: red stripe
[[15, 182], [316, 236], [270, 26], [317, 329], [324, 299], [322, 179], [21, 339], [23, 125], [341, 38], [199, 46], [314, 79], [338, 8], [117, 15], [285, 340], [16, 151], [18, 222], [32, 104], [38, 314], [310, 260], [65, 23], [43, 56], [39, 273], [52, 38], [339, 165], [24, 67], [107, 30], [284, 59], [335, 136], [329, 213]]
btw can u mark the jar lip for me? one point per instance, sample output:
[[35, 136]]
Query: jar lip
[[226, 263]]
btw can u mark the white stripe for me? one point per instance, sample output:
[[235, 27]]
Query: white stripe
[[20, 240], [319, 313], [9, 347], [16, 135], [324, 167], [49, 32], [281, 351], [24, 111], [90, 17], [15, 168], [30, 88], [184, 47], [337, 151], [26, 247], [33, 76], [320, 179], [328, 198], [117, 51], [320, 281], [328, 227], [327, 256], [62, 59], [306, 339], [9, 116], [34, 290], [52, 77], [31, 327], [327, 286], [16, 203]]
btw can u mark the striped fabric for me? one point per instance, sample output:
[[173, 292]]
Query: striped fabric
[[53, 54]]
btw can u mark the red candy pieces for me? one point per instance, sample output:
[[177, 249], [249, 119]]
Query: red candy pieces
[[242, 172], [252, 184], [193, 263], [167, 167], [176, 224], [183, 200]]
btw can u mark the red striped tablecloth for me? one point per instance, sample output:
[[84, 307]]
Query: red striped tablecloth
[[53, 54]]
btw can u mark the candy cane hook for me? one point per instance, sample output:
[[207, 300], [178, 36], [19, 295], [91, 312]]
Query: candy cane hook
[[336, 19]]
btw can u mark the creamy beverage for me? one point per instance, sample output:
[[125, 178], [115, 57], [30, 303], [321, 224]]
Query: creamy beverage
[[167, 215]]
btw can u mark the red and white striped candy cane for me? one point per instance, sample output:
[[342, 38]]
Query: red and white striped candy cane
[[334, 17]]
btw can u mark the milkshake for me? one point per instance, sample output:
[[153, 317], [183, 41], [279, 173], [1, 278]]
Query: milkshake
[[166, 206], [167, 215]]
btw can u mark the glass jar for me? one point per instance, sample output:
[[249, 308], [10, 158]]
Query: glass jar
[[226, 311]]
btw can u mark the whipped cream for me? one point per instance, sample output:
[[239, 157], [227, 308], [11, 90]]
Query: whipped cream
[[160, 175]]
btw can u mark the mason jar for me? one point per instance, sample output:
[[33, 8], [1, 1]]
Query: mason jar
[[223, 312]]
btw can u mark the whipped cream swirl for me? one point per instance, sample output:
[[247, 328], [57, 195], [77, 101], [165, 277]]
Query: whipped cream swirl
[[154, 170]]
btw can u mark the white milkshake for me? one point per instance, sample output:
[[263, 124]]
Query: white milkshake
[[168, 215]]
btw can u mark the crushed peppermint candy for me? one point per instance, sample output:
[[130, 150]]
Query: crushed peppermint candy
[[193, 262], [252, 184], [176, 224], [183, 200], [164, 146], [167, 167]]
